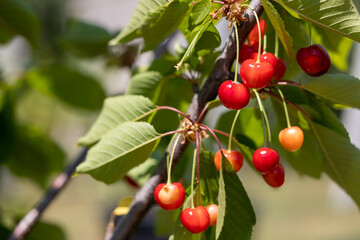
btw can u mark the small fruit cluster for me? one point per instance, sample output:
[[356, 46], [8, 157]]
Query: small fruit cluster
[[195, 220]]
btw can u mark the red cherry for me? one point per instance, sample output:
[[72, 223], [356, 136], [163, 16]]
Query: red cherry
[[256, 75], [276, 177], [292, 138], [169, 196], [195, 220], [234, 157], [313, 60], [213, 210], [280, 69], [255, 45], [234, 95], [266, 57], [245, 52], [254, 34], [265, 159]]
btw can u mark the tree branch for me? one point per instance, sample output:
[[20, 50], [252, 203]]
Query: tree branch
[[28, 221], [144, 199]]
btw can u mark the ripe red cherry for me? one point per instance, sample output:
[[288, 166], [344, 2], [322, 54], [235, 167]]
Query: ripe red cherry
[[245, 52], [213, 210], [169, 196], [266, 57], [256, 75], [313, 60], [234, 95], [280, 69], [195, 220], [292, 138], [265, 159], [234, 157], [254, 34], [276, 177]]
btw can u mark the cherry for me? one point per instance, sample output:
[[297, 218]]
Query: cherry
[[195, 220], [265, 159], [254, 34], [291, 138], [213, 210], [276, 177], [245, 52], [234, 95], [280, 69], [169, 196], [234, 157], [313, 60], [256, 75], [266, 57]]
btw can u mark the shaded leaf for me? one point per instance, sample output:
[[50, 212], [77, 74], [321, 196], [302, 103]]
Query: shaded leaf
[[200, 11], [17, 17], [341, 160], [68, 85], [117, 110], [338, 16], [153, 18], [236, 217], [209, 178], [340, 88], [143, 172], [85, 39], [123, 148], [45, 231], [279, 26], [144, 83], [35, 156]]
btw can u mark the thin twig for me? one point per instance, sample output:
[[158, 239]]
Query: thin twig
[[28, 221]]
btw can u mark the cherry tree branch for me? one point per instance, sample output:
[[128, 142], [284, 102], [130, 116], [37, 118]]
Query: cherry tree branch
[[144, 199], [29, 220]]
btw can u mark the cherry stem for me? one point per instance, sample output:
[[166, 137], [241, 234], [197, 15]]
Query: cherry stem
[[169, 161], [227, 135], [212, 133], [276, 46], [198, 166], [173, 132], [232, 129], [285, 107], [202, 112], [309, 25], [219, 2], [265, 118], [237, 51], [175, 110], [193, 179], [259, 29]]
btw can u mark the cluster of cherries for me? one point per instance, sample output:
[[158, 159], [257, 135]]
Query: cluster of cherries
[[196, 220], [256, 73]]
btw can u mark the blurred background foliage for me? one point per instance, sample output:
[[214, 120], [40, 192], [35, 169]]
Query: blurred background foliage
[[56, 70]]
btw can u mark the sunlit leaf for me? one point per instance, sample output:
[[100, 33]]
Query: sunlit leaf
[[123, 148]]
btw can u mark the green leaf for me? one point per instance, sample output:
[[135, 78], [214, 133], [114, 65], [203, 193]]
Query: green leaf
[[236, 216], [341, 160], [17, 17], [200, 11], [45, 231], [338, 16], [68, 85], [209, 178], [34, 155], [279, 26], [190, 50], [144, 83], [123, 148], [340, 88], [143, 172], [153, 18], [85, 39], [116, 111]]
